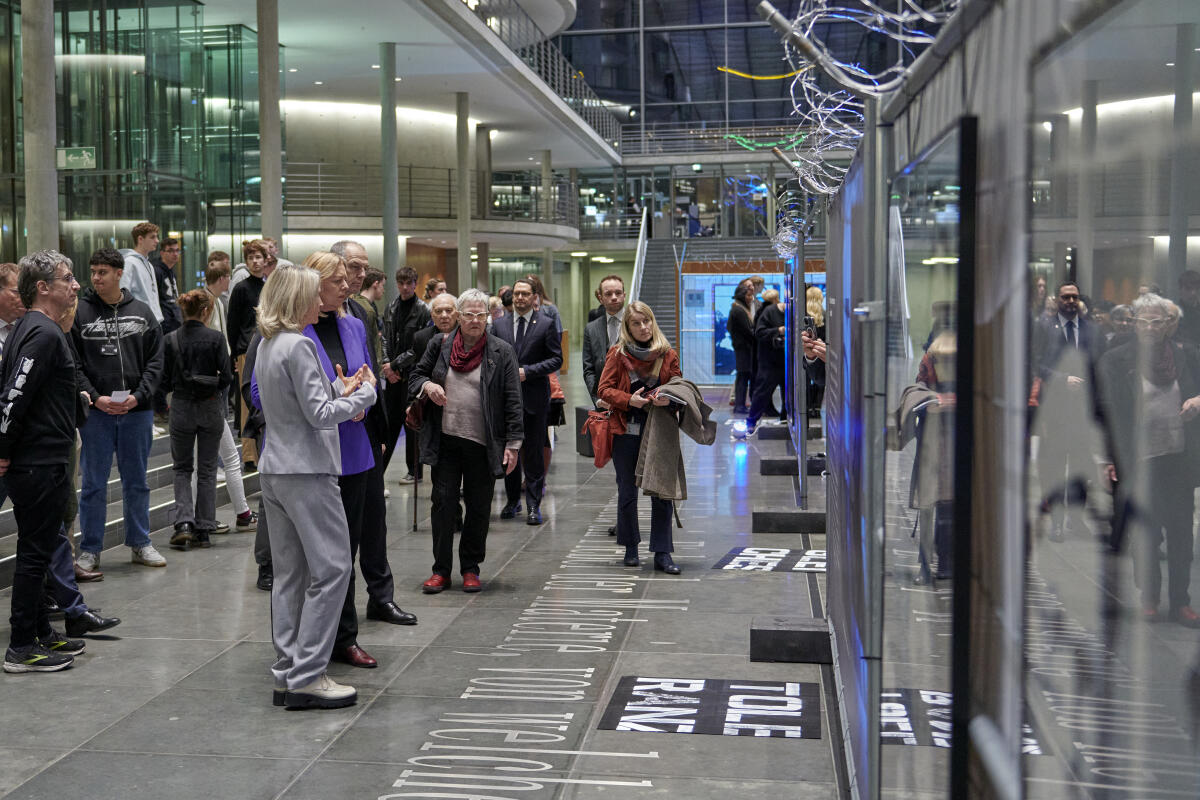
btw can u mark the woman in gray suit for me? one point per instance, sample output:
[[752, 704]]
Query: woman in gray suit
[[300, 464]]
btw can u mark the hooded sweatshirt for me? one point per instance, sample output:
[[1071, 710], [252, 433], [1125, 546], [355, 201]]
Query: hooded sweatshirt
[[120, 347], [141, 279]]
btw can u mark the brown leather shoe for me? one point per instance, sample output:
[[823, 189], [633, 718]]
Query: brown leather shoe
[[435, 584], [355, 656], [87, 575]]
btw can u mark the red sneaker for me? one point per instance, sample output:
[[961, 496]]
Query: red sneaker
[[471, 582], [435, 584], [1149, 614], [1187, 617]]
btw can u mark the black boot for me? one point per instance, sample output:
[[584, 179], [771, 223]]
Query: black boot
[[631, 556], [266, 578]]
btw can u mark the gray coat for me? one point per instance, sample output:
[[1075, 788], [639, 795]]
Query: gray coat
[[303, 406], [499, 393], [595, 350]]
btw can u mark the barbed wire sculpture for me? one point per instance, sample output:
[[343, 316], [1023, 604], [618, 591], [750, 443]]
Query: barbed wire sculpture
[[832, 118]]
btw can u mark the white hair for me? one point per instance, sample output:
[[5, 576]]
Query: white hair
[[471, 296], [1150, 300]]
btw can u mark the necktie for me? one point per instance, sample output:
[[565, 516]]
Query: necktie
[[612, 331], [520, 331], [1071, 338]]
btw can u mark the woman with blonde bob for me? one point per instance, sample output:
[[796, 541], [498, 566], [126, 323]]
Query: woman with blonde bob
[[300, 465], [640, 362]]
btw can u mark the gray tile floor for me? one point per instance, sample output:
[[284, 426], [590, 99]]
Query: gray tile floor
[[175, 703]]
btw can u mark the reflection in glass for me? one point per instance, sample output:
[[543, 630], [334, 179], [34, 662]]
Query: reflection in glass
[[1114, 403], [922, 342]]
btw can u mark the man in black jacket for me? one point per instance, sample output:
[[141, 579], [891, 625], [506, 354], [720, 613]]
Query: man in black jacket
[[120, 349], [769, 330], [538, 346], [168, 303], [372, 546], [37, 429], [406, 315]]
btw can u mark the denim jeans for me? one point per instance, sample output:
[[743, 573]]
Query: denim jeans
[[129, 436], [196, 427]]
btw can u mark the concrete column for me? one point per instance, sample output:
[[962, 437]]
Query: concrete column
[[1183, 166], [483, 167], [1086, 224], [548, 272], [576, 309], [547, 188], [40, 125], [465, 165], [270, 133], [389, 170], [482, 279], [1060, 146]]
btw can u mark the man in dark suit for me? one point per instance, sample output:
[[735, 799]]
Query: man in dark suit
[[372, 547], [538, 346], [1066, 349], [602, 332]]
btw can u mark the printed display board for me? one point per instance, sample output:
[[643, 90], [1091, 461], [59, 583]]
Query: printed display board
[[772, 559], [766, 709]]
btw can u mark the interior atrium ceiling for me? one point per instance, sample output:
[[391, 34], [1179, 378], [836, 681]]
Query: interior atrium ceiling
[[329, 57]]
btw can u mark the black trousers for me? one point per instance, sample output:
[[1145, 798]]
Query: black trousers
[[372, 548], [262, 537], [39, 498], [767, 380], [1165, 513], [624, 457], [531, 464], [462, 467], [396, 398], [354, 497], [741, 387]]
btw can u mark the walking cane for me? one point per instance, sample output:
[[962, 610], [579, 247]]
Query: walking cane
[[416, 494]]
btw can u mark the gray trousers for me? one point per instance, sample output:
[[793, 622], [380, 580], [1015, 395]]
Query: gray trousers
[[310, 551], [196, 427]]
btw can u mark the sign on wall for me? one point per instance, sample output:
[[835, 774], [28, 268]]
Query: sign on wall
[[764, 709]]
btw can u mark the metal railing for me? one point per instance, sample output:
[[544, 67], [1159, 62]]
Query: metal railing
[[667, 138], [639, 259], [613, 225], [523, 36], [337, 189]]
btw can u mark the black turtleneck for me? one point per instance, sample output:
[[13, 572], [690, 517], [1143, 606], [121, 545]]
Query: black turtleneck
[[331, 339]]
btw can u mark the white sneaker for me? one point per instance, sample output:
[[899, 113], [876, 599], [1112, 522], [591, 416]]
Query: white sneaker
[[324, 692], [88, 561], [407, 480], [148, 556]]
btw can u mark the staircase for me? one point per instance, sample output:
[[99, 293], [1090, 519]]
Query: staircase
[[660, 286], [159, 476]]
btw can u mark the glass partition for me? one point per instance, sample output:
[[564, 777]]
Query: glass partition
[[1112, 650], [928, 354]]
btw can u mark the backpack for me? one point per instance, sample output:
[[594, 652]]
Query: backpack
[[200, 386]]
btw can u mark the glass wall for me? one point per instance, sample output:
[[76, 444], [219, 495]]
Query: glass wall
[[231, 166], [171, 110], [131, 80], [1112, 651]]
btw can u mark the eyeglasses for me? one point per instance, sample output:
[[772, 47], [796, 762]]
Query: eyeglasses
[[1157, 322], [1068, 297], [473, 317], [68, 278]]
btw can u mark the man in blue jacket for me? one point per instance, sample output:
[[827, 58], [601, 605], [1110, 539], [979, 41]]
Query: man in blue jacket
[[538, 346]]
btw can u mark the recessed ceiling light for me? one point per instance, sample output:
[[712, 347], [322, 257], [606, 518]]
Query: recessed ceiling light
[[374, 66], [399, 79], [1170, 63], [319, 83]]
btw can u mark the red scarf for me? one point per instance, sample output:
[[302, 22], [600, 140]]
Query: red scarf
[[638, 366], [463, 360]]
